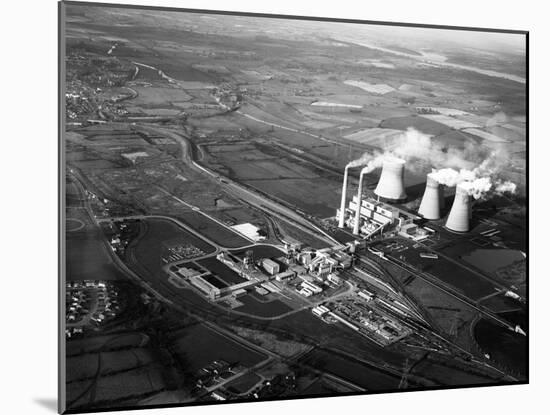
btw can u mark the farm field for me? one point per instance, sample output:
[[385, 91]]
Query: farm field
[[244, 383], [199, 346], [272, 308], [365, 376], [317, 197], [87, 257], [473, 286]]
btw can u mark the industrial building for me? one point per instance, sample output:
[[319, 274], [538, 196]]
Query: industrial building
[[189, 272], [391, 185], [413, 231], [433, 200], [315, 289], [460, 214], [305, 292], [286, 275], [375, 216], [367, 216], [298, 269], [210, 290], [270, 266], [320, 310], [249, 231], [239, 292], [334, 279], [245, 269], [327, 260], [366, 295], [261, 291]]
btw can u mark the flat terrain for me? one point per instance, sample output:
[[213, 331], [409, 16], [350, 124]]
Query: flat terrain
[[200, 346], [182, 125], [151, 246]]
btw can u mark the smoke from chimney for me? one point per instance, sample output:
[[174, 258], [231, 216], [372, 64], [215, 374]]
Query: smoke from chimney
[[478, 165]]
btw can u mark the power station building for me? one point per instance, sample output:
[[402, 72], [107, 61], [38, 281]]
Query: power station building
[[374, 216]]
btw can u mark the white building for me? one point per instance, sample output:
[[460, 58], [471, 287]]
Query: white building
[[270, 266]]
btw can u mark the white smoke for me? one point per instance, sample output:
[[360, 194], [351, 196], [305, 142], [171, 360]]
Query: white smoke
[[505, 187], [414, 145], [451, 166], [449, 177], [477, 188], [361, 161]]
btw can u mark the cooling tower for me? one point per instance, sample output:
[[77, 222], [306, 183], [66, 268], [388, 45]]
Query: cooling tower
[[343, 202], [430, 206], [391, 185], [359, 201], [459, 216]]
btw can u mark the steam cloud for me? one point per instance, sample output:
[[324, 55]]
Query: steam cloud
[[478, 170]]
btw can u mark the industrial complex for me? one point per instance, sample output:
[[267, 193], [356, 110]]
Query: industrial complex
[[266, 209]]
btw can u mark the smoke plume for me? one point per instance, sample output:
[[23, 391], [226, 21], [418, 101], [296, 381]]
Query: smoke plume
[[475, 165], [505, 187], [477, 188], [414, 145]]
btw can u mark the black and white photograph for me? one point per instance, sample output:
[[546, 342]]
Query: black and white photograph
[[266, 207]]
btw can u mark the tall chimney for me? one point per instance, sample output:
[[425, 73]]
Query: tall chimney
[[364, 171], [344, 195], [430, 207], [459, 216], [391, 185]]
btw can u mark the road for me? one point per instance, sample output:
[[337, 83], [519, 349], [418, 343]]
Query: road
[[199, 211], [282, 127], [252, 198]]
